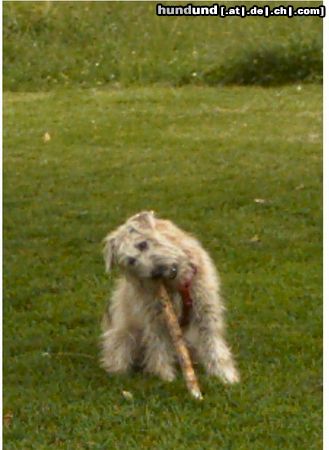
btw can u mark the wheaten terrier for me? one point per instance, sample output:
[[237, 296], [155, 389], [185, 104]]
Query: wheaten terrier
[[150, 251]]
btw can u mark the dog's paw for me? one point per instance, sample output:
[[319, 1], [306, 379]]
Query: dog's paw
[[114, 367], [166, 374], [226, 372], [230, 375]]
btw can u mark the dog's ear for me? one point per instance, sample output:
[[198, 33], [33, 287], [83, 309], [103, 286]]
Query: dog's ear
[[109, 251], [145, 219]]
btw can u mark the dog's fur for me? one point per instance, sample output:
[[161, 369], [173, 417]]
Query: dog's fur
[[150, 251]]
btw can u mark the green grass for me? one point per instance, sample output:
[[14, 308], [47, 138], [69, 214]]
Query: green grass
[[49, 44], [199, 156]]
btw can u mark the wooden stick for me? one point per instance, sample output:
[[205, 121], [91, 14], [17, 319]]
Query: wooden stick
[[179, 344]]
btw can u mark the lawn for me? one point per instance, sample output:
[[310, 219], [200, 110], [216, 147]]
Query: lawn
[[50, 44], [199, 156]]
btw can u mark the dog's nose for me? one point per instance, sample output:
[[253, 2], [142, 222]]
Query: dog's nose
[[163, 271], [173, 271], [158, 271]]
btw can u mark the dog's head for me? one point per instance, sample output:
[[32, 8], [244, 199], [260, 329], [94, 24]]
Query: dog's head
[[141, 250]]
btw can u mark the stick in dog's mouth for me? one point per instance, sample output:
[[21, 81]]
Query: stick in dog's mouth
[[179, 344]]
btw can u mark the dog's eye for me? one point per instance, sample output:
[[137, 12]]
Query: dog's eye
[[142, 246]]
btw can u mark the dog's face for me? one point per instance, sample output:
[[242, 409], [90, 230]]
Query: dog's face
[[141, 251]]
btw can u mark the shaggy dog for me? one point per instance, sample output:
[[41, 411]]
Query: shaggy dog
[[150, 251]]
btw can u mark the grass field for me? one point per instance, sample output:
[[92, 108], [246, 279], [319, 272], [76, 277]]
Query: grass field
[[50, 44], [200, 156]]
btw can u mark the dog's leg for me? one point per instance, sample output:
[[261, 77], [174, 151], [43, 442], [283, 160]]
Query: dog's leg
[[217, 358], [211, 346], [119, 347], [159, 358]]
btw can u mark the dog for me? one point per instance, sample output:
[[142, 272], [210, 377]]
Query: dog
[[150, 251]]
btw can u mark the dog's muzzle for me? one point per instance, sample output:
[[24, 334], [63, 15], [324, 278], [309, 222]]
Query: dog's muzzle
[[163, 271]]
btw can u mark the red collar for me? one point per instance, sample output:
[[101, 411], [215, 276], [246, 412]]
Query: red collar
[[187, 301]]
